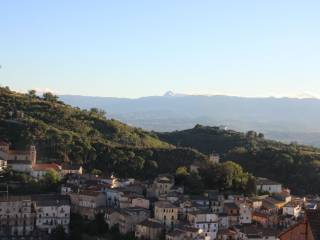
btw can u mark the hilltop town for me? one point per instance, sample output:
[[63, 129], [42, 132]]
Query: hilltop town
[[85, 205]]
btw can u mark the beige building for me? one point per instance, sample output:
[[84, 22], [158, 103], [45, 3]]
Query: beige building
[[16, 216], [71, 169], [129, 199], [166, 213], [161, 185], [18, 160], [126, 219], [149, 229], [88, 203]]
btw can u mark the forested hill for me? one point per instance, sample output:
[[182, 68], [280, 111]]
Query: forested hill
[[296, 166], [64, 133]]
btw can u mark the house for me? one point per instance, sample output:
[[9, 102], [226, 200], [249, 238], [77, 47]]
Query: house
[[232, 211], [51, 211], [161, 186], [216, 200], [272, 204], [253, 232], [113, 196], [71, 169], [41, 169], [206, 221], [292, 209], [149, 229], [166, 213], [185, 232], [227, 234], [16, 216], [176, 234], [129, 199], [245, 213], [223, 221], [126, 219], [267, 185], [87, 203], [256, 202], [308, 229], [264, 218], [283, 196], [202, 202], [185, 207]]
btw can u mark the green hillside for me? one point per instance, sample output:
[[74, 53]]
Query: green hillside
[[64, 133], [297, 166]]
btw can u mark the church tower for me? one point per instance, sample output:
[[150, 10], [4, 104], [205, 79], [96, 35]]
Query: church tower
[[33, 154]]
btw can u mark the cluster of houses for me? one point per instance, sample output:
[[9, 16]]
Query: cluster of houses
[[26, 161], [33, 215], [160, 209]]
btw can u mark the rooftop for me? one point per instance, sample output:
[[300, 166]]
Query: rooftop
[[313, 217], [46, 166], [151, 223], [266, 181], [164, 204]]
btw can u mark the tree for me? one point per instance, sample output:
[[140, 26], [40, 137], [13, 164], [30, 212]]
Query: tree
[[98, 112], [51, 178], [32, 93], [48, 96], [181, 175], [251, 187]]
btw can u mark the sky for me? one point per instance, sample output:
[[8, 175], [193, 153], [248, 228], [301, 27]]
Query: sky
[[126, 48]]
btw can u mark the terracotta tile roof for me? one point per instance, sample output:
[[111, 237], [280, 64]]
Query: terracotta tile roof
[[46, 167], [313, 218]]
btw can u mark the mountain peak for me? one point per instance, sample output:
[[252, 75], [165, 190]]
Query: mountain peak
[[169, 94], [173, 94]]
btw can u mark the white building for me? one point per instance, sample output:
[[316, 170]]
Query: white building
[[206, 221], [267, 185], [41, 169], [52, 211], [292, 209]]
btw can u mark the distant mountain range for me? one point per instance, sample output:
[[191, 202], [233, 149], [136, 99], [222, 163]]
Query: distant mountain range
[[285, 119]]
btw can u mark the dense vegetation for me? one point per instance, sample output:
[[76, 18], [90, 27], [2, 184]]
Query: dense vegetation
[[296, 166], [66, 134]]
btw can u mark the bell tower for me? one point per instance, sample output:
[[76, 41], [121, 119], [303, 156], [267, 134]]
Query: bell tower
[[33, 154]]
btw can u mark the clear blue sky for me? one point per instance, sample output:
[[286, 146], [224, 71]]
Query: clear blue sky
[[136, 48]]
